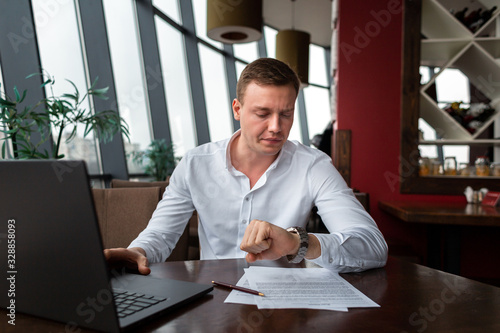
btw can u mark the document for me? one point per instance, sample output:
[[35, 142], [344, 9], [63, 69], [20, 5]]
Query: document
[[307, 288]]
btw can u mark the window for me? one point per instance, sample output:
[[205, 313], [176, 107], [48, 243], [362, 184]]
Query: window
[[2, 94], [216, 93], [200, 20], [318, 73], [128, 74], [318, 109], [62, 54], [451, 86], [270, 36], [175, 77], [317, 94], [295, 133], [57, 29], [170, 8], [247, 51]]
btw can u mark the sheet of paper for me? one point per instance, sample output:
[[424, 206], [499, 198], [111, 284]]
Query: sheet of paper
[[310, 288], [240, 297]]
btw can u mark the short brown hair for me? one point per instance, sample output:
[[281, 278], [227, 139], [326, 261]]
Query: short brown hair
[[266, 71]]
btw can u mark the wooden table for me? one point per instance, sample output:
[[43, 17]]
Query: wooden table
[[413, 298], [446, 218]]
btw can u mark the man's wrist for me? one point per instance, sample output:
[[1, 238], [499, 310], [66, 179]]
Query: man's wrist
[[300, 253]]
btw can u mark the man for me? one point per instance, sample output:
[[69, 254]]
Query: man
[[249, 189]]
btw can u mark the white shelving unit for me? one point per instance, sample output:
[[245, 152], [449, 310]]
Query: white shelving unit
[[450, 44]]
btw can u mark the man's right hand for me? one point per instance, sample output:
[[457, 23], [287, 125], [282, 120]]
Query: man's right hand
[[134, 258]]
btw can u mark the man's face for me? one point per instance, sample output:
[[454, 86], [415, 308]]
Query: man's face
[[266, 117]]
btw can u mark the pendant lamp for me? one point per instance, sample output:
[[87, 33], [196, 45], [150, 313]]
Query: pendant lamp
[[292, 47], [234, 21]]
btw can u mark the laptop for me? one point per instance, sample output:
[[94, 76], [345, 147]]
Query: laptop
[[52, 254]]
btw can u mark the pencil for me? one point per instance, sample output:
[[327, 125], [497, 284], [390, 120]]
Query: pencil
[[231, 286]]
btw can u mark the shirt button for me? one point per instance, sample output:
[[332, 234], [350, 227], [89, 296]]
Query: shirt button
[[247, 198], [330, 260], [243, 221]]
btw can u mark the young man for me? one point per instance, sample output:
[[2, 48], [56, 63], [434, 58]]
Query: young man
[[254, 192]]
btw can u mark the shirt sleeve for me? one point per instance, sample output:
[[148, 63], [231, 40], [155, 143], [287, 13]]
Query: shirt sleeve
[[169, 219], [355, 243]]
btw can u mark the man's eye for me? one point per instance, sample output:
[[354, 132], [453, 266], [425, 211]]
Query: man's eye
[[261, 115], [286, 115]]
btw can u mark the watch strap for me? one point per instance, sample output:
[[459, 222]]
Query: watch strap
[[304, 245]]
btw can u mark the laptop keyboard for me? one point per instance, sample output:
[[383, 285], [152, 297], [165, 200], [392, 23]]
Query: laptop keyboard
[[128, 303]]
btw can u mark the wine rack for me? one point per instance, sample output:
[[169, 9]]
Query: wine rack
[[448, 43]]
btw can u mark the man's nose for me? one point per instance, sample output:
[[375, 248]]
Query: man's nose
[[274, 123]]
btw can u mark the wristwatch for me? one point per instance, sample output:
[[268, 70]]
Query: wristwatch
[[304, 244]]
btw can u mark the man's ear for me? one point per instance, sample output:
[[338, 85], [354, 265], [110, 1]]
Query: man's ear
[[236, 109]]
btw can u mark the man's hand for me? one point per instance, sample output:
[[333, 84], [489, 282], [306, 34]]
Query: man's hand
[[134, 258], [265, 241]]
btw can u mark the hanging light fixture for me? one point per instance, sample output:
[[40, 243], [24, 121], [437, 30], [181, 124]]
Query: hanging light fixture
[[234, 21], [292, 47]]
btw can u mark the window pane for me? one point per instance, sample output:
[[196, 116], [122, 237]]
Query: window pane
[[216, 93], [175, 77], [270, 35], [129, 79], [461, 153], [318, 109], [452, 86], [247, 51], [425, 74], [295, 132], [317, 65], [428, 133], [200, 21], [239, 68], [61, 56], [2, 94], [170, 8]]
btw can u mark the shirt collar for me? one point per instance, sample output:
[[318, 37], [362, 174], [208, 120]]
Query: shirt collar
[[229, 165]]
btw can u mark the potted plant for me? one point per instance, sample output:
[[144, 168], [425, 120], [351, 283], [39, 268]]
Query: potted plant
[[50, 117], [159, 159]]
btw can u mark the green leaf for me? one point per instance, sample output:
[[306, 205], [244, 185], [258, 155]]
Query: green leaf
[[18, 97], [24, 96], [4, 149], [48, 81], [5, 103]]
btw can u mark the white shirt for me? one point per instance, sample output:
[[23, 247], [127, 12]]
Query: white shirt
[[300, 178]]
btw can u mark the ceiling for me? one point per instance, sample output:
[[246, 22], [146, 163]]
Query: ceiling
[[312, 16]]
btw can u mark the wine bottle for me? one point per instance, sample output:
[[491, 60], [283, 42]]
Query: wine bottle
[[460, 15], [483, 18], [472, 17]]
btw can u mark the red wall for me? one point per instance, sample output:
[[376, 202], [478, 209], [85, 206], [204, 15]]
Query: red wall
[[369, 104]]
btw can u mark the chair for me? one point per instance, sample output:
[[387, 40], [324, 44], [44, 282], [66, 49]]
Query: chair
[[124, 212], [191, 232], [119, 183]]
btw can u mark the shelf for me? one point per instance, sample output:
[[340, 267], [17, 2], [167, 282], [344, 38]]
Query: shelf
[[441, 121], [479, 142], [445, 43], [482, 70], [437, 52], [463, 177], [437, 22]]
